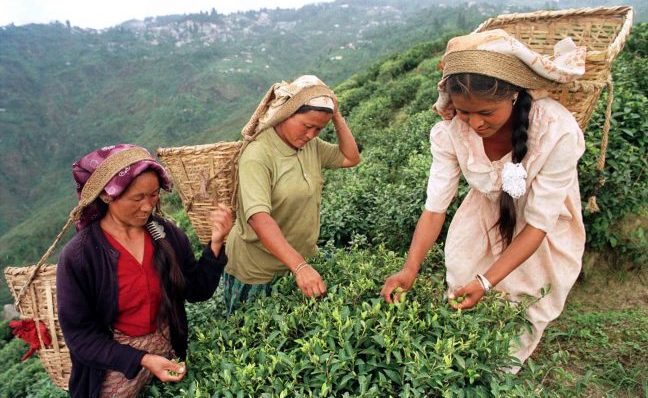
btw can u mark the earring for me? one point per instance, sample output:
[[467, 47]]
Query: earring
[[106, 199], [515, 99]]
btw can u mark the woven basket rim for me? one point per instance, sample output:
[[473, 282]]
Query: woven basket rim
[[623, 12], [163, 151]]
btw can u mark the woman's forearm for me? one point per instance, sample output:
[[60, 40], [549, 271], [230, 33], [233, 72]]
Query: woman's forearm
[[520, 249], [346, 141], [425, 235], [274, 240]]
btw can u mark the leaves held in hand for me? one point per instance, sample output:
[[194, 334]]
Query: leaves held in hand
[[457, 300], [180, 371], [399, 294]]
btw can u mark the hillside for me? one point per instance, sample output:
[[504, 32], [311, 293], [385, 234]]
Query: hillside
[[179, 79], [165, 81]]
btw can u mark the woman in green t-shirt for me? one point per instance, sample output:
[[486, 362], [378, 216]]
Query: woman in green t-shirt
[[280, 190]]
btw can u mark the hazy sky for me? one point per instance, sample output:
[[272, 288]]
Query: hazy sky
[[100, 14]]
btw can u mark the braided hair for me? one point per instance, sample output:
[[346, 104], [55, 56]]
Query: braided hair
[[490, 88]]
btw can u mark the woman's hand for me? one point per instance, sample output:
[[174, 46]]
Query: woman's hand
[[310, 282], [221, 220], [336, 105], [404, 279], [472, 294], [164, 369]]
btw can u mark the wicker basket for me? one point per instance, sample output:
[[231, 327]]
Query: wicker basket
[[603, 30], [204, 175], [39, 303], [207, 175]]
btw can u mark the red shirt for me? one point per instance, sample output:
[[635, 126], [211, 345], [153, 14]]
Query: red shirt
[[139, 293]]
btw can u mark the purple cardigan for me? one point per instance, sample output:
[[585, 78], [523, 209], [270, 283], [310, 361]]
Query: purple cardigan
[[86, 284]]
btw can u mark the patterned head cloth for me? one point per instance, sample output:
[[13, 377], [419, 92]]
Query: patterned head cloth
[[111, 170], [288, 97], [497, 54]]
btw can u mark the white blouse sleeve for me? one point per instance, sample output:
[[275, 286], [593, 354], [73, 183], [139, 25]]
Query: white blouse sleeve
[[444, 171], [549, 189]]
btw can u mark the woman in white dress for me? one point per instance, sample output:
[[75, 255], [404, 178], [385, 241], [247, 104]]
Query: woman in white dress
[[519, 230]]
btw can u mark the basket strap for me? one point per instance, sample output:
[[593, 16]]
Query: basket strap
[[234, 177], [72, 217], [249, 132], [592, 206]]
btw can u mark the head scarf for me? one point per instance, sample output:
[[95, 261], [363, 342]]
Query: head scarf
[[497, 54], [132, 162], [288, 97]]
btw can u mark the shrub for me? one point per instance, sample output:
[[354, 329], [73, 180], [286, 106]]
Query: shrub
[[351, 343], [18, 378], [5, 332]]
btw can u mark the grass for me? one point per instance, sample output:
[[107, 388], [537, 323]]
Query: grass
[[598, 347]]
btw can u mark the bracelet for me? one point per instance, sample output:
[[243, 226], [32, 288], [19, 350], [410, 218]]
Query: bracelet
[[484, 282], [300, 267]]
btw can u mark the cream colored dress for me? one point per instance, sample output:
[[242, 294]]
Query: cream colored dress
[[551, 203]]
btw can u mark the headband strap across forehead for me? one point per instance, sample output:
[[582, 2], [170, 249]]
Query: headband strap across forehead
[[107, 170], [500, 66], [291, 104], [497, 54]]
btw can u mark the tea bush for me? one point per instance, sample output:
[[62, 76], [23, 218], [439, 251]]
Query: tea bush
[[351, 343], [19, 379], [625, 193], [5, 333]]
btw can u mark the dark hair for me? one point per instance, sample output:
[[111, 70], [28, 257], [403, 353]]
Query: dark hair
[[490, 88], [308, 108], [172, 282], [172, 285]]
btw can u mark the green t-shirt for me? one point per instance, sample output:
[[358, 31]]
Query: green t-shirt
[[287, 184]]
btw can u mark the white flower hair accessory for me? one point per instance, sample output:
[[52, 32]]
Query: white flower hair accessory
[[514, 179]]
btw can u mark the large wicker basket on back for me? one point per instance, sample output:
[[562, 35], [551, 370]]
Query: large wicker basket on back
[[204, 176], [207, 175], [603, 30]]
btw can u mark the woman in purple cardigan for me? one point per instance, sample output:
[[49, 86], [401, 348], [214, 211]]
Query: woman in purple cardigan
[[123, 279]]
